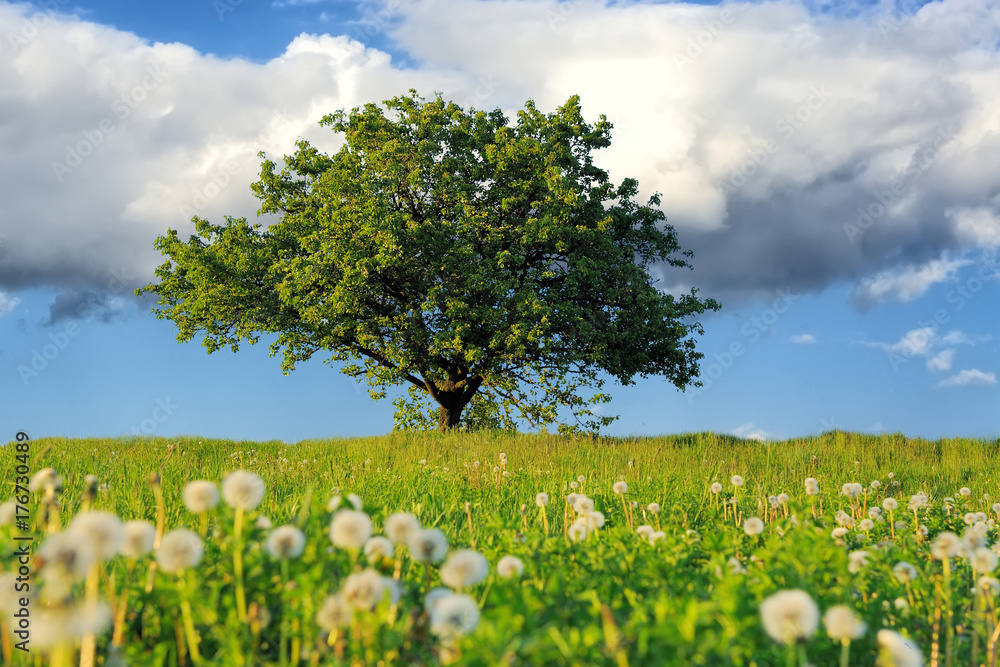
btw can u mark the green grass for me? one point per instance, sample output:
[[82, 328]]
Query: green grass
[[612, 599]]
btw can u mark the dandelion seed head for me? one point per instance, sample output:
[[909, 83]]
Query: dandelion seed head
[[856, 560], [737, 480], [965, 491], [428, 545], [104, 530], [335, 613], [890, 504], [782, 498], [464, 567], [138, 539], [542, 499], [946, 545], [653, 508], [45, 479], [842, 624], [716, 487], [902, 652], [789, 615], [286, 542], [378, 548], [904, 572], [620, 487], [200, 496], [583, 504], [644, 530], [753, 526], [454, 615], [866, 524], [400, 527], [577, 532], [350, 529], [983, 560], [243, 490], [988, 586], [364, 590], [510, 567], [179, 550]]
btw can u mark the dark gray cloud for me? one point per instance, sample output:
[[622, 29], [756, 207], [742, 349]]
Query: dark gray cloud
[[793, 151]]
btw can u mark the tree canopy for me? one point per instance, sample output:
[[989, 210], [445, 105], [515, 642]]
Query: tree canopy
[[473, 260]]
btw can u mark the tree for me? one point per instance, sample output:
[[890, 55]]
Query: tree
[[451, 251]]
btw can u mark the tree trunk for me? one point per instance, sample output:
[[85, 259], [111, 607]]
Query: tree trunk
[[448, 418]]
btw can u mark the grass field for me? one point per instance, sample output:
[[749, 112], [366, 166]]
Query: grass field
[[692, 587]]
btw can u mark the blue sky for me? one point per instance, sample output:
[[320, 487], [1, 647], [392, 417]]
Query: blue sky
[[832, 167]]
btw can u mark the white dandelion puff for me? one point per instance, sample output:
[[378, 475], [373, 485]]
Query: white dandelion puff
[[542, 499], [842, 623], [179, 550], [377, 548], [286, 542], [753, 526], [903, 652], [200, 496], [104, 530], [904, 572], [139, 538], [350, 529], [335, 613], [243, 490], [789, 616], [428, 545], [400, 527], [454, 615], [716, 487], [620, 488], [364, 590], [510, 567], [890, 504], [464, 567], [737, 480]]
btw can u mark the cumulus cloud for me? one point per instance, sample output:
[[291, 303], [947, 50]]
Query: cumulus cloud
[[941, 361], [7, 303], [750, 433], [970, 377], [803, 339], [793, 148]]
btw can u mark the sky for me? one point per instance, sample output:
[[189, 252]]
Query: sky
[[831, 165]]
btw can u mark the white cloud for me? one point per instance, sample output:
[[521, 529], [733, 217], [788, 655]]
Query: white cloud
[[7, 304], [907, 283], [956, 337], [977, 226], [917, 342], [750, 433], [941, 361], [971, 377], [803, 339], [764, 138]]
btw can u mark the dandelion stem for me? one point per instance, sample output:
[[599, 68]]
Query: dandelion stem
[[241, 601], [192, 637], [118, 636], [845, 654], [88, 644]]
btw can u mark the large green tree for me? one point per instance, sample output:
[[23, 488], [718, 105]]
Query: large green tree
[[469, 258]]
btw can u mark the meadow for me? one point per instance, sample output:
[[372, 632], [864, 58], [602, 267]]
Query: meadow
[[503, 549]]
